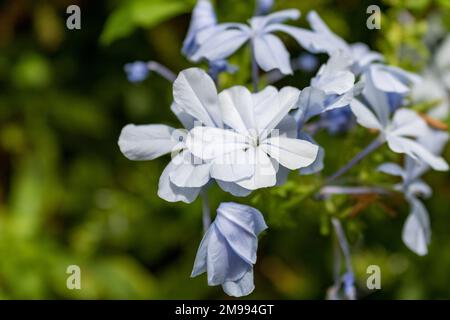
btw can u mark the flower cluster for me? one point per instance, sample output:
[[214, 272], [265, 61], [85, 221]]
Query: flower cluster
[[244, 140]]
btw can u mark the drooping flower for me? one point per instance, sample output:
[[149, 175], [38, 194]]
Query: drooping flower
[[416, 232], [270, 52], [136, 71], [259, 138], [196, 103], [227, 251], [400, 131]]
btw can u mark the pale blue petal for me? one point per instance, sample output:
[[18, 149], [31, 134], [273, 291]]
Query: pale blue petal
[[392, 169], [270, 53], [317, 165], [416, 232], [223, 43], [311, 102], [195, 93], [190, 172]]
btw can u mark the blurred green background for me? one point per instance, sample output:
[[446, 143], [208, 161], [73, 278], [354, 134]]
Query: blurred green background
[[68, 196]]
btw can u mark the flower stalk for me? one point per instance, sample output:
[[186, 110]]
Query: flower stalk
[[206, 214], [161, 70], [360, 156]]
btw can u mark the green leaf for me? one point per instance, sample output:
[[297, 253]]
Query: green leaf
[[140, 13]]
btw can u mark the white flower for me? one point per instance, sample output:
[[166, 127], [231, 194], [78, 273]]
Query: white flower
[[270, 52], [196, 100], [259, 135], [400, 131], [416, 232]]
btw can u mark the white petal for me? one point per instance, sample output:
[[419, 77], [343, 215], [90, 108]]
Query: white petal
[[392, 169], [317, 165], [291, 153], [187, 173], [170, 192], [287, 100], [416, 231], [270, 53], [416, 151], [231, 166], [236, 105], [334, 77], [185, 118], [377, 99], [146, 142], [311, 102], [311, 41], [208, 143], [385, 81], [408, 123], [195, 93], [200, 258], [220, 45], [364, 116], [259, 23], [271, 106], [264, 174]]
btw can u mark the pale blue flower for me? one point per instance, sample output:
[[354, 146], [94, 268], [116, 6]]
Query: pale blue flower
[[416, 232], [136, 71], [227, 251], [400, 131], [263, 7], [270, 52]]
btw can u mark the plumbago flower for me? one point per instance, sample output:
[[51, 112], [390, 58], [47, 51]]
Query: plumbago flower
[[228, 249], [259, 136], [416, 232], [400, 131], [362, 61], [269, 51]]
